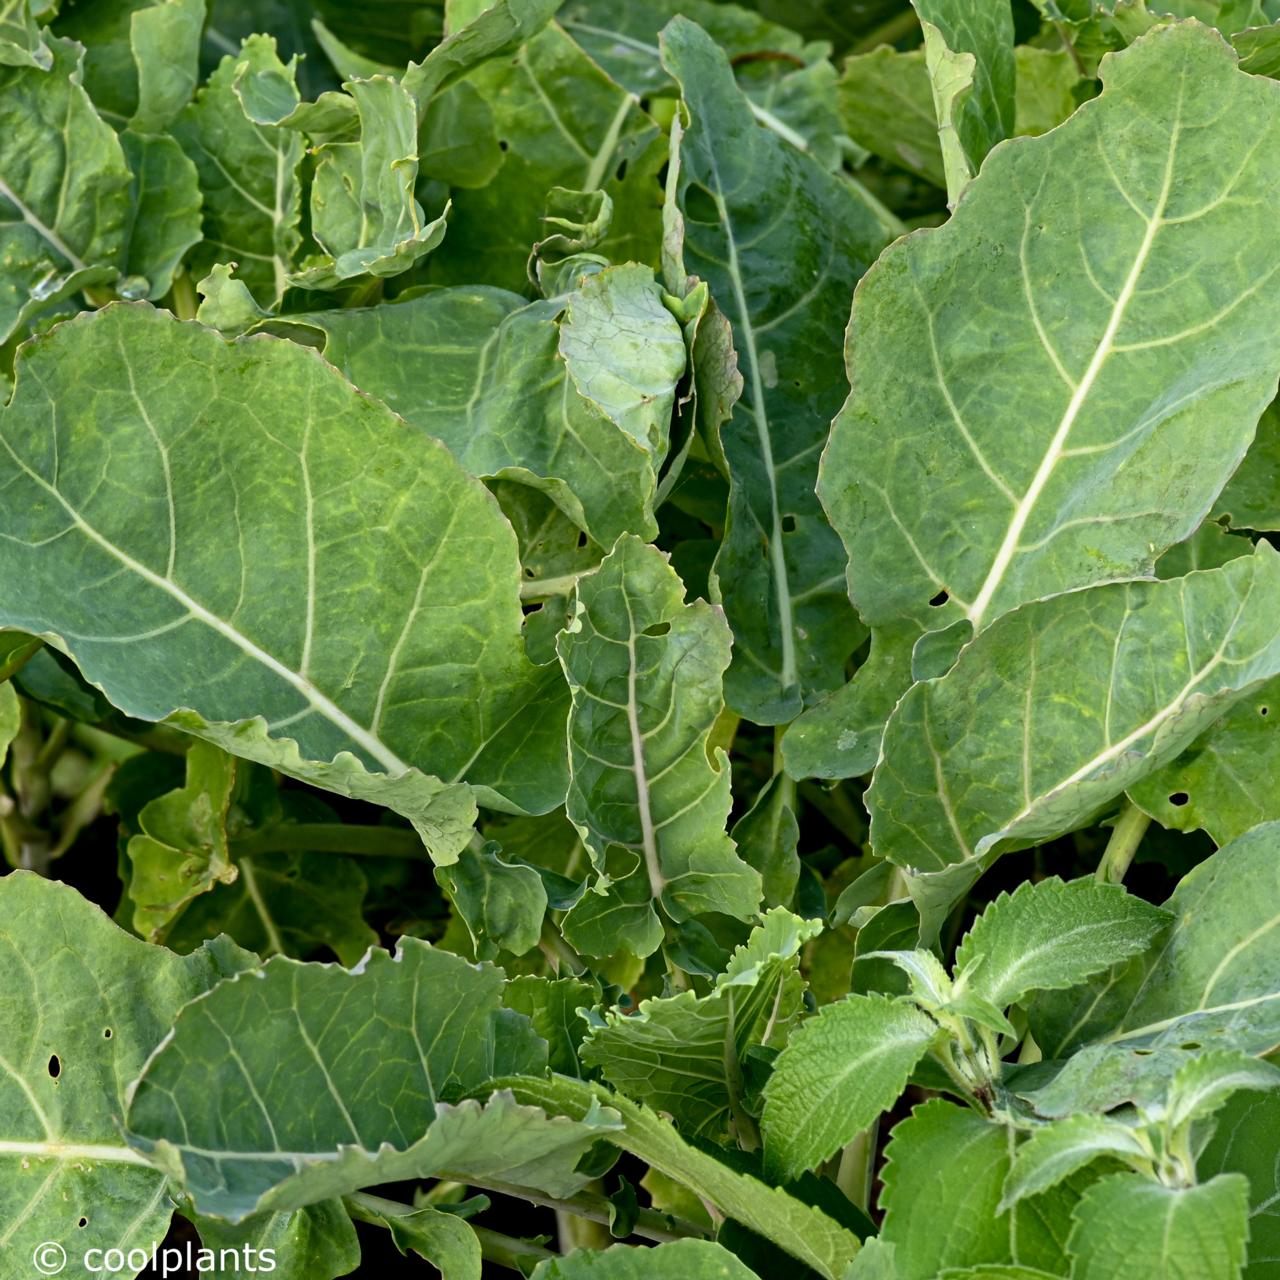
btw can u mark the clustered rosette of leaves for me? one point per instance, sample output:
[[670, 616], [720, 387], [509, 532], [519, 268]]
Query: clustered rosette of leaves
[[606, 762]]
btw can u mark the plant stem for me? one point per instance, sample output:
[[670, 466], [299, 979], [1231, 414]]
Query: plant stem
[[890, 32], [650, 1224], [857, 1165], [545, 588], [1126, 835], [183, 297], [332, 837]]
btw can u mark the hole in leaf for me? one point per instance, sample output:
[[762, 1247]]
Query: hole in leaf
[[1191, 1045], [658, 629], [503, 144], [621, 171], [940, 599], [84, 1222], [582, 539], [528, 572], [700, 206], [1178, 799], [55, 1066], [107, 1033], [788, 524], [1264, 711]]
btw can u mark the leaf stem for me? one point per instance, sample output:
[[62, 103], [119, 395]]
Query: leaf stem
[[1126, 835], [545, 588], [332, 837], [896, 28], [857, 1164]]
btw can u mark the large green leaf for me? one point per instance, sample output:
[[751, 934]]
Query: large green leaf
[[1213, 979], [1027, 375], [166, 218], [249, 174], [573, 396], [1251, 499], [1055, 1151], [782, 244], [258, 571], [377, 1058], [315, 1243], [82, 1006], [839, 1071], [1050, 713], [683, 1054], [1243, 1142], [645, 670], [64, 188], [1126, 1225]]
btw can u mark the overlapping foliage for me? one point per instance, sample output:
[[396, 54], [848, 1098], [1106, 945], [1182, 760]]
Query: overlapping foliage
[[657, 610]]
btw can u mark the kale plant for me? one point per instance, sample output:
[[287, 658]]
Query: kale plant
[[640, 638]]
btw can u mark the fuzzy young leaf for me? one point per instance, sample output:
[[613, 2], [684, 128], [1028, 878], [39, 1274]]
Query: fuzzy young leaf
[[1203, 1085], [1050, 935], [283, 577], [839, 1071], [781, 243], [1051, 712], [1127, 1225], [1057, 1150], [645, 671], [1060, 391]]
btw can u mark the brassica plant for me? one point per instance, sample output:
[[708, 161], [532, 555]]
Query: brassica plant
[[640, 638]]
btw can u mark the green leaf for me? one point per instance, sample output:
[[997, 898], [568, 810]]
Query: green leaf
[[1050, 935], [688, 1259], [1243, 1142], [1212, 981], [956, 1162], [1251, 499], [1053, 711], [284, 904], [363, 211], [22, 42], [565, 124], [1126, 1225], [315, 1243], [1048, 81], [166, 213], [1203, 1085], [378, 1060], [249, 174], [443, 1239], [1117, 377], [182, 849], [572, 396], [951, 77], [552, 1005], [806, 1233], [75, 1028], [64, 219], [10, 717], [1057, 1150], [886, 106], [781, 242], [617, 914], [645, 669], [767, 837], [976, 35], [683, 1054], [252, 598], [502, 905], [1102, 1077], [839, 1071]]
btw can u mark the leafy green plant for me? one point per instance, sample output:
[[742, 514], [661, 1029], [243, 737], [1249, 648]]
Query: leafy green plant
[[640, 639]]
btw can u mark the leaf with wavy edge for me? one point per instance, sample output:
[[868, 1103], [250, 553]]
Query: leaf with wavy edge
[[645, 673], [1056, 708], [379, 1060], [82, 1005], [1067, 358], [206, 556], [572, 396], [803, 1231], [781, 242], [688, 1259]]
